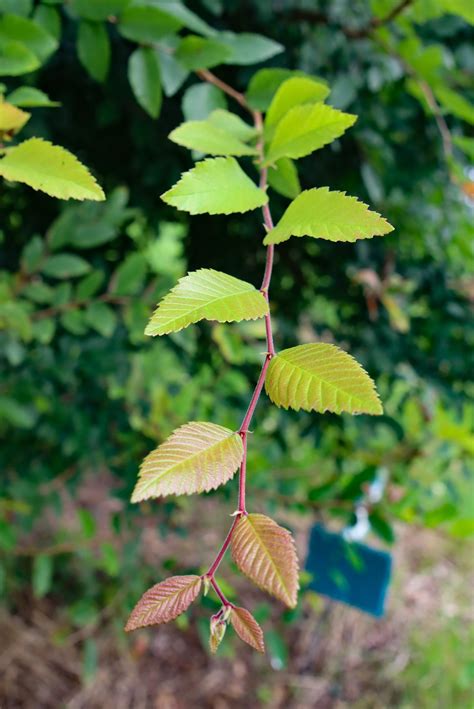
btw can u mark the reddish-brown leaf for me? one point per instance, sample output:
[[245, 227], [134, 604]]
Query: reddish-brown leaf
[[247, 628], [265, 552], [164, 601]]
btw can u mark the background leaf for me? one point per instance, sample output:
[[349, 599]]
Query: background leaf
[[144, 78], [93, 48]]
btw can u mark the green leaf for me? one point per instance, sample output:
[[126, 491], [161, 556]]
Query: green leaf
[[381, 527], [188, 18], [12, 119], [200, 100], [263, 86], [144, 78], [463, 8], [323, 214], [74, 322], [101, 318], [197, 457], [283, 178], [29, 34], [321, 377], [93, 49], [305, 129], [30, 97], [98, 9], [65, 266], [197, 53], [130, 275], [215, 186], [42, 575], [173, 74], [294, 92], [141, 23], [455, 103], [49, 19], [16, 7], [16, 59], [232, 124], [51, 169], [248, 48], [209, 138], [206, 294], [465, 144]]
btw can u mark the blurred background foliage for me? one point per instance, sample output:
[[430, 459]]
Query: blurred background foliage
[[84, 395]]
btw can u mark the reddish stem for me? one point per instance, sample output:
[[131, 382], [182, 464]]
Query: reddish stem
[[220, 594], [214, 566]]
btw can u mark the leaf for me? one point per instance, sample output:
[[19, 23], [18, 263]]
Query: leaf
[[16, 59], [93, 49], [98, 9], [206, 294], [283, 178], [101, 318], [323, 214], [321, 377], [30, 97], [381, 527], [463, 8], [173, 75], [465, 144], [188, 18], [51, 169], [164, 602], [17, 7], [249, 48], [294, 92], [49, 19], [232, 124], [209, 138], [29, 34], [455, 103], [199, 100], [42, 575], [12, 119], [144, 78], [65, 266], [247, 628], [141, 23], [197, 53], [215, 186], [197, 457], [265, 552], [218, 626], [263, 86], [130, 275], [305, 129]]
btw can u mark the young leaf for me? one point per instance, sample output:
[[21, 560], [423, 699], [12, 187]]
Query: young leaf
[[147, 24], [249, 48], [215, 186], [247, 628], [265, 552], [232, 124], [51, 169], [165, 601], [197, 53], [97, 9], [305, 129], [12, 119], [294, 92], [263, 86], [29, 97], [321, 377], [208, 138], [283, 177], [197, 457], [328, 215], [218, 626], [206, 294], [93, 49], [144, 78]]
